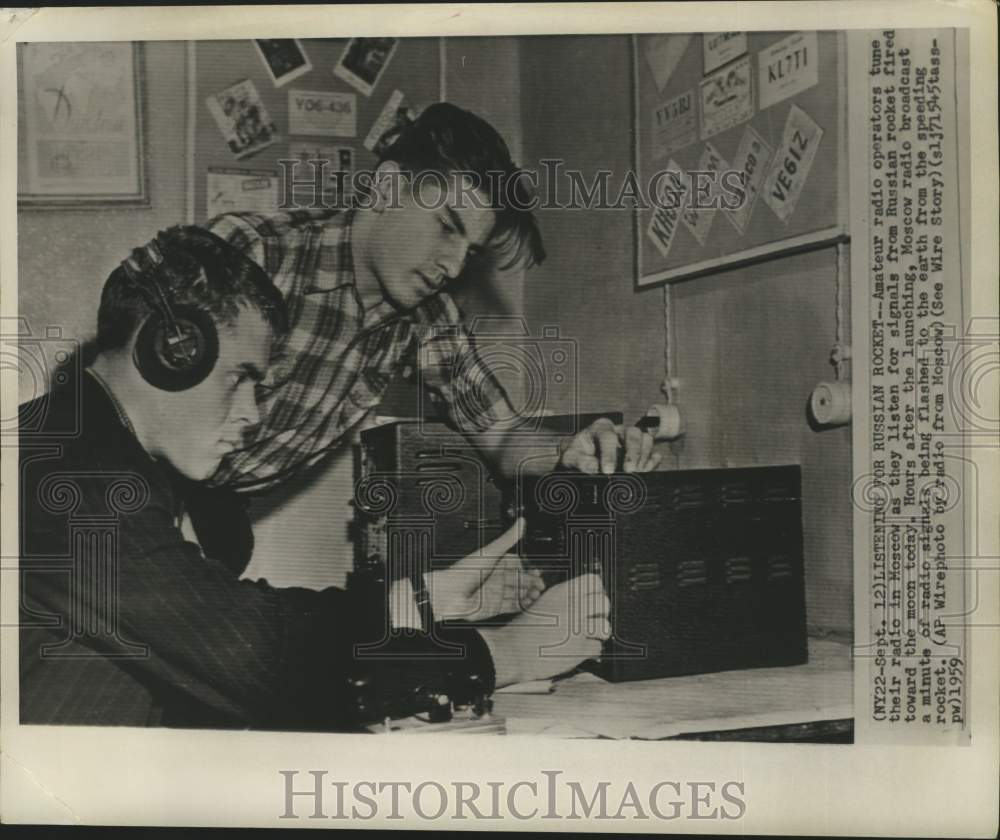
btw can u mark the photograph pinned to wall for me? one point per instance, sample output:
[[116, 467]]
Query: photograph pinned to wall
[[322, 113], [364, 61], [663, 54], [726, 98], [393, 117], [336, 163], [242, 118], [752, 157], [285, 59], [699, 220], [674, 125], [791, 165], [231, 190], [720, 48], [83, 121], [787, 68]]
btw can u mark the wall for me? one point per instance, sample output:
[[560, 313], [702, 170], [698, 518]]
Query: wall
[[751, 343], [64, 256], [570, 112]]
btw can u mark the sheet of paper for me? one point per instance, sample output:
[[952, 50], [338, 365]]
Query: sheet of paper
[[792, 163], [663, 54], [751, 161], [672, 191], [706, 191], [726, 98], [530, 687], [674, 124], [323, 113], [241, 190], [787, 67], [720, 48]]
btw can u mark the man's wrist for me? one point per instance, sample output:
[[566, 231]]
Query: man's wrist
[[422, 599], [403, 610]]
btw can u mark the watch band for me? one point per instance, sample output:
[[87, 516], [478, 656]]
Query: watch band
[[422, 598]]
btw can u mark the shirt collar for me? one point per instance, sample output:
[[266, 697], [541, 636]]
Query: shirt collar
[[119, 409]]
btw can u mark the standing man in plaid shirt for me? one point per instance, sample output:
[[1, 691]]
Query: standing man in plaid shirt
[[367, 287]]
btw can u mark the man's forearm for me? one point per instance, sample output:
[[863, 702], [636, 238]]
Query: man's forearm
[[512, 453]]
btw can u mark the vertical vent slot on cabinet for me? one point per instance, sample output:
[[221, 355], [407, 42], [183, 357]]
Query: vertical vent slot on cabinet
[[738, 569], [692, 573]]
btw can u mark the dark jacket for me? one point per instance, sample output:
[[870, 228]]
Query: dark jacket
[[124, 622]]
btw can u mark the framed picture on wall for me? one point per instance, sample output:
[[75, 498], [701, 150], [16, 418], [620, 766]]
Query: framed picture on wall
[[82, 120]]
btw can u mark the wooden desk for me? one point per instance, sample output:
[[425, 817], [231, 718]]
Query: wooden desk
[[802, 702]]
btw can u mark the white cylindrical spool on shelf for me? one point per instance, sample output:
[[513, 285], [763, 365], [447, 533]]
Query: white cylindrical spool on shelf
[[670, 421], [830, 403]]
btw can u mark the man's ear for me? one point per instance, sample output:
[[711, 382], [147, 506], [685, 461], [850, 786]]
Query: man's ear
[[388, 182]]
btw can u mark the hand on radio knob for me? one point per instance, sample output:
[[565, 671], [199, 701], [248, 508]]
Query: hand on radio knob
[[595, 449], [488, 583]]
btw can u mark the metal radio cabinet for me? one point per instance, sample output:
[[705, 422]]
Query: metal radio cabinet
[[423, 497], [704, 568]]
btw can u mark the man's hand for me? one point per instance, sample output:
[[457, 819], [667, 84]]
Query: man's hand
[[562, 629], [488, 583], [595, 449]]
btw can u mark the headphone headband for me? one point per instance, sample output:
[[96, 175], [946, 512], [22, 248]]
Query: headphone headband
[[148, 257]]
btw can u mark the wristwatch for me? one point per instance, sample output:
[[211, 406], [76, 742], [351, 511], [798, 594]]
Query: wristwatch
[[422, 598]]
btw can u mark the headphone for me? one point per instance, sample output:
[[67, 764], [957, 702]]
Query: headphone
[[177, 345]]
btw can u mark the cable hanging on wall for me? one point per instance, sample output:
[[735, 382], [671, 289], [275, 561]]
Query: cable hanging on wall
[[830, 402], [669, 420], [668, 374]]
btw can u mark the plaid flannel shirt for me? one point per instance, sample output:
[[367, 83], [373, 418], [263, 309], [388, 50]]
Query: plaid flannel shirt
[[341, 351]]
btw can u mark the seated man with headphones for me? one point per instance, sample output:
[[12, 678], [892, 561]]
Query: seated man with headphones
[[133, 611]]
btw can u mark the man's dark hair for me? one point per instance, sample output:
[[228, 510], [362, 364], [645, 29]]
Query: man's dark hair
[[198, 268], [447, 139]]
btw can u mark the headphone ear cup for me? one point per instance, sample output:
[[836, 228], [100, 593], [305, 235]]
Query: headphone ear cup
[[178, 356]]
